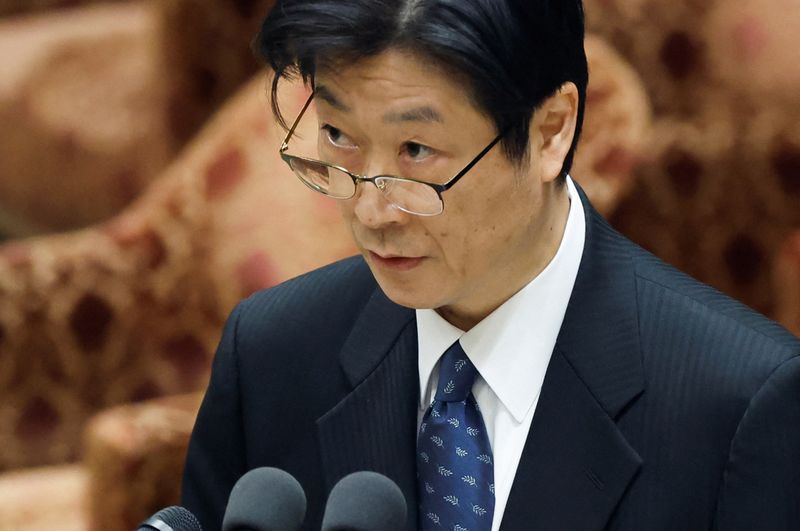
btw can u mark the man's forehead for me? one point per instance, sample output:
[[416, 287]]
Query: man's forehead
[[414, 113], [410, 87], [393, 69]]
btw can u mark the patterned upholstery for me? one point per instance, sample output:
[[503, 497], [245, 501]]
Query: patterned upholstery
[[719, 190], [752, 48], [44, 498], [134, 457], [787, 283], [132, 308], [103, 95], [198, 76], [81, 89], [616, 129], [16, 7]]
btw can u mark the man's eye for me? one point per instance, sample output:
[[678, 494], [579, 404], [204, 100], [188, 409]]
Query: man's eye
[[336, 137], [418, 151]]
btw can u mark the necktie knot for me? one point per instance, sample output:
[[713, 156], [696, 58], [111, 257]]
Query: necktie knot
[[456, 375]]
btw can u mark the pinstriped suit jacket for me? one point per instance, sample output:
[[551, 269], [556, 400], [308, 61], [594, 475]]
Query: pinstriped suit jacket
[[666, 405]]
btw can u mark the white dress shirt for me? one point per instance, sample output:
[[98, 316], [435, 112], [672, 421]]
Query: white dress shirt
[[511, 349]]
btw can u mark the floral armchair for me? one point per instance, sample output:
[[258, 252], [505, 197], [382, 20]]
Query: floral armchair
[[720, 190]]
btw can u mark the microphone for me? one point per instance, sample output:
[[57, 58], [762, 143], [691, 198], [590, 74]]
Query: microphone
[[365, 501], [265, 499], [173, 518]]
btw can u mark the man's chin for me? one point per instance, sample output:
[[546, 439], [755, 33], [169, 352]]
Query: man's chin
[[413, 297]]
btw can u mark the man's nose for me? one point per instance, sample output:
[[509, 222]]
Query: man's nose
[[372, 208]]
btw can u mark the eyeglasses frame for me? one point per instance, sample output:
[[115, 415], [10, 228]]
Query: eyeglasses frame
[[438, 188]]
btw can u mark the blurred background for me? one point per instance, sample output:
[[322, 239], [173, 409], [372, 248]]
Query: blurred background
[[141, 196]]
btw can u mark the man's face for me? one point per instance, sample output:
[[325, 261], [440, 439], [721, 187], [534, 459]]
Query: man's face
[[394, 114]]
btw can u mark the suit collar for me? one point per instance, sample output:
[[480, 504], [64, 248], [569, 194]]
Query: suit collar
[[577, 464], [600, 333], [375, 331]]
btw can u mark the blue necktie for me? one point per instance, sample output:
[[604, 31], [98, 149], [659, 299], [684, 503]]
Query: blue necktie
[[455, 469]]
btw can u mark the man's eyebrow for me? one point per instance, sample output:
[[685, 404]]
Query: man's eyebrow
[[417, 114], [324, 93]]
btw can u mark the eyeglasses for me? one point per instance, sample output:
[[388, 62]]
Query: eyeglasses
[[409, 195]]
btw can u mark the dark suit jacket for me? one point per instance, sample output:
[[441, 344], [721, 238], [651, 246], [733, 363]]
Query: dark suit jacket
[[666, 405]]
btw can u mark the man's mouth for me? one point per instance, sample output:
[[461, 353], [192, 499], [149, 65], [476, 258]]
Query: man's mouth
[[394, 262]]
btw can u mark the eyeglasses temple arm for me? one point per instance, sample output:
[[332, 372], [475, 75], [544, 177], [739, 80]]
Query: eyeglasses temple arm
[[449, 184], [285, 144]]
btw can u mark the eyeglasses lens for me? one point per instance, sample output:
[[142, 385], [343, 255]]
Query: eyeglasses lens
[[323, 178], [409, 196]]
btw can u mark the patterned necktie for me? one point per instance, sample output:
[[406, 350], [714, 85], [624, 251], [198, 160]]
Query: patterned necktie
[[455, 469]]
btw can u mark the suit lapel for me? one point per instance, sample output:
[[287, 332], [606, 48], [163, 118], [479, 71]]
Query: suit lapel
[[576, 464], [374, 427]]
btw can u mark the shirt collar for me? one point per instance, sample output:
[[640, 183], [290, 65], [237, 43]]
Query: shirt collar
[[511, 347]]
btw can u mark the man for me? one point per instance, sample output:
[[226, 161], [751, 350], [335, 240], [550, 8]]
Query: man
[[499, 351]]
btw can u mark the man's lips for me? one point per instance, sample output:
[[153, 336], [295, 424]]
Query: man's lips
[[394, 262]]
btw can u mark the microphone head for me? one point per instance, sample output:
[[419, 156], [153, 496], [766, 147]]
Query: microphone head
[[265, 499], [365, 501], [173, 518]]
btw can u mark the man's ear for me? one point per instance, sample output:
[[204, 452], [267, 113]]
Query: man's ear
[[553, 129]]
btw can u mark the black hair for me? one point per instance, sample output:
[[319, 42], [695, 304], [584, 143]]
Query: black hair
[[513, 54]]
